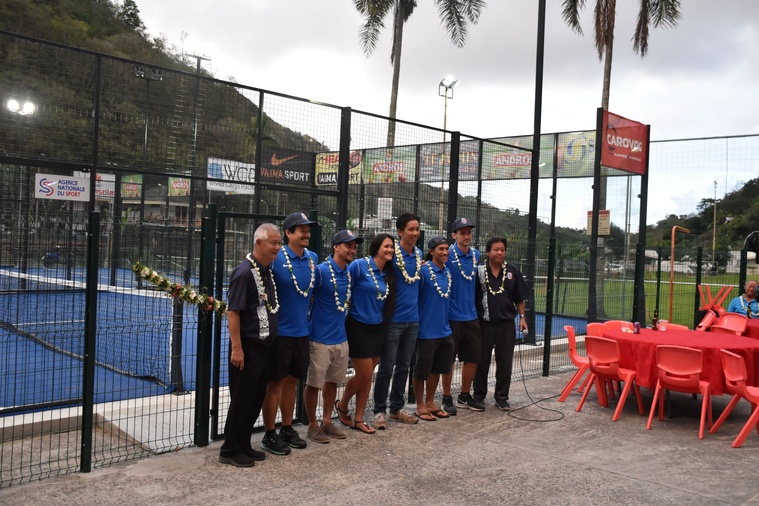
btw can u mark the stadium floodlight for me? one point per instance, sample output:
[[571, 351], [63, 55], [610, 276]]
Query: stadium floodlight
[[445, 88], [27, 109]]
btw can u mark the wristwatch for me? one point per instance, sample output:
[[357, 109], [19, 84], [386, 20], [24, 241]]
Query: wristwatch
[[521, 316]]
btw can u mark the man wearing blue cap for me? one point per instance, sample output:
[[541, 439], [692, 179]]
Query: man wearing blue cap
[[294, 272], [329, 342]]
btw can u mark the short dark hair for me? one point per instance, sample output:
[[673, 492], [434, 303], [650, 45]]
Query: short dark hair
[[403, 219], [493, 240]]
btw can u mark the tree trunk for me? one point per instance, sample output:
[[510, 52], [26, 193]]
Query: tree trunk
[[601, 266], [397, 45]]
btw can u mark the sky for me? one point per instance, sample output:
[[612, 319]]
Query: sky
[[698, 79]]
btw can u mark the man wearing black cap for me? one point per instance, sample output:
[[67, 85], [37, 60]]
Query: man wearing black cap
[[294, 272], [434, 344], [462, 262], [329, 342]]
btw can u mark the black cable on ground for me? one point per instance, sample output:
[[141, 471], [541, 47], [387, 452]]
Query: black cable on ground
[[534, 402]]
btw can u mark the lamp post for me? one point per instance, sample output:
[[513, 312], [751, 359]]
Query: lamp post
[[28, 108], [445, 90], [714, 228]]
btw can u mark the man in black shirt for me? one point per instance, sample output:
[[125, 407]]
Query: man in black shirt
[[252, 320], [500, 294]]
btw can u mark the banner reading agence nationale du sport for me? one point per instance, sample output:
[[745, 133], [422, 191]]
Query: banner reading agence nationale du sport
[[55, 187]]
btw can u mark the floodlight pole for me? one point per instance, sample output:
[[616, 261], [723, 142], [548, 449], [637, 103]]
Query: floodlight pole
[[445, 90]]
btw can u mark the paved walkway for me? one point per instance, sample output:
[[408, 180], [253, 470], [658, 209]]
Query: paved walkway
[[535, 456]]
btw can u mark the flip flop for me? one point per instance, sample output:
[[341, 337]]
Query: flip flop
[[427, 417], [439, 413], [341, 413], [366, 430]]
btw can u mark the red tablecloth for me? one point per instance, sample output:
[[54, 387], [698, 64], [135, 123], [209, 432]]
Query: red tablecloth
[[638, 352], [752, 328]]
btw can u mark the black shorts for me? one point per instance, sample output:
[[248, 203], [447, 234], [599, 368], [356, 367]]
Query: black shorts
[[466, 341], [290, 356], [365, 340], [433, 356]]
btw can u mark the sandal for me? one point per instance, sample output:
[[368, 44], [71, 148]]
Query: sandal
[[341, 414], [427, 417], [357, 425], [439, 413]]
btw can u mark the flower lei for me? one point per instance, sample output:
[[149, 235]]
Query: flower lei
[[402, 264], [340, 307], [746, 306], [292, 274], [458, 264], [260, 285], [503, 281], [371, 273], [177, 290], [437, 287]]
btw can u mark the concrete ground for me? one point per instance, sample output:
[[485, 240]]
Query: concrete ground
[[542, 454]]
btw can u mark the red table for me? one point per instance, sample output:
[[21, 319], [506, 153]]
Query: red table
[[752, 328], [638, 352]]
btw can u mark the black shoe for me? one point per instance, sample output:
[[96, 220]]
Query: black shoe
[[239, 459], [466, 401], [291, 437], [255, 454], [448, 405], [503, 404], [479, 399], [274, 444]]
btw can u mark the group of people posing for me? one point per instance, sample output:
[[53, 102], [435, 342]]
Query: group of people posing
[[290, 319]]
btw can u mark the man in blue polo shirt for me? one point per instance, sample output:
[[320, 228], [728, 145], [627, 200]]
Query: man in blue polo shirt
[[400, 338], [434, 344], [329, 342], [462, 262], [294, 271]]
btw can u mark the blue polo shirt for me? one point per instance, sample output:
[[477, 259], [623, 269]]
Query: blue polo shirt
[[406, 294], [365, 307], [432, 305], [327, 324], [293, 313], [462, 293]]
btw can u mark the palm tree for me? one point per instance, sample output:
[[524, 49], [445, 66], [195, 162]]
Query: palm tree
[[658, 13], [454, 14]]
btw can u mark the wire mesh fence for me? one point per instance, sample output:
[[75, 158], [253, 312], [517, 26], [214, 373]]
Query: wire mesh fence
[[159, 143]]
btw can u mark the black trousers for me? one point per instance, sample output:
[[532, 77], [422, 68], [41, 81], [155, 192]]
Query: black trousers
[[502, 336], [247, 389]]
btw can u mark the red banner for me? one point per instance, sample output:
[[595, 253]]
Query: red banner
[[624, 144]]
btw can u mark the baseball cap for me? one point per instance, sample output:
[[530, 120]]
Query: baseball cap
[[461, 223], [295, 219], [345, 236], [436, 241]]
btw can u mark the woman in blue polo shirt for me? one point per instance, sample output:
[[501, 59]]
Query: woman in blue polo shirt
[[372, 304]]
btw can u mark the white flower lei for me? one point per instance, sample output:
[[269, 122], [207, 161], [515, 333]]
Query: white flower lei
[[458, 263], [402, 264], [746, 306], [260, 286], [503, 281], [437, 287], [292, 274], [371, 273], [340, 307]]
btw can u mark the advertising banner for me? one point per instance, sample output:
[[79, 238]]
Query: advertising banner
[[576, 154], [287, 166], [105, 184], [179, 187], [435, 161], [53, 187], [604, 222], [131, 186], [327, 165], [511, 158], [624, 144], [390, 165], [233, 173]]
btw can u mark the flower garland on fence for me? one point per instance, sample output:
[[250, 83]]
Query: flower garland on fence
[[177, 290]]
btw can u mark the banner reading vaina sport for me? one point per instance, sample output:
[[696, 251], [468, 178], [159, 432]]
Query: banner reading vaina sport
[[287, 166], [623, 144]]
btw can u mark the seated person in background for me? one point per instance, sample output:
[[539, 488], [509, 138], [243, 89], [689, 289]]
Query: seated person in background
[[746, 304]]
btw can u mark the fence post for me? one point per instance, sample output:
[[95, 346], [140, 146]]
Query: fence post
[[90, 334], [697, 317]]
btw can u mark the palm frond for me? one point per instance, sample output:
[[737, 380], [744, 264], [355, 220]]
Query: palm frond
[[571, 14], [454, 14], [374, 12], [605, 17]]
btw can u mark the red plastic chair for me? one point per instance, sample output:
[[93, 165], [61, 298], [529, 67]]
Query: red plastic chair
[[676, 326], [680, 370], [603, 359], [618, 325], [734, 321], [595, 329], [735, 379], [578, 360], [721, 329]]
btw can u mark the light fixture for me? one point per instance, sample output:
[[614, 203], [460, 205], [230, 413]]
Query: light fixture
[[27, 109]]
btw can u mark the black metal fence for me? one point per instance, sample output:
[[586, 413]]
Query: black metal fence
[[160, 146]]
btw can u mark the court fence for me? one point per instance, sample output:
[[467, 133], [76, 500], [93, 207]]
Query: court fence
[[98, 366]]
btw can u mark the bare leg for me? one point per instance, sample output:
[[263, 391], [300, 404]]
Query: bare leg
[[311, 397], [329, 392], [447, 380], [287, 399], [431, 384], [419, 393], [468, 370], [271, 403], [364, 368]]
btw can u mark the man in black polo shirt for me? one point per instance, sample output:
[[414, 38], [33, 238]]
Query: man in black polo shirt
[[252, 320], [500, 293]]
